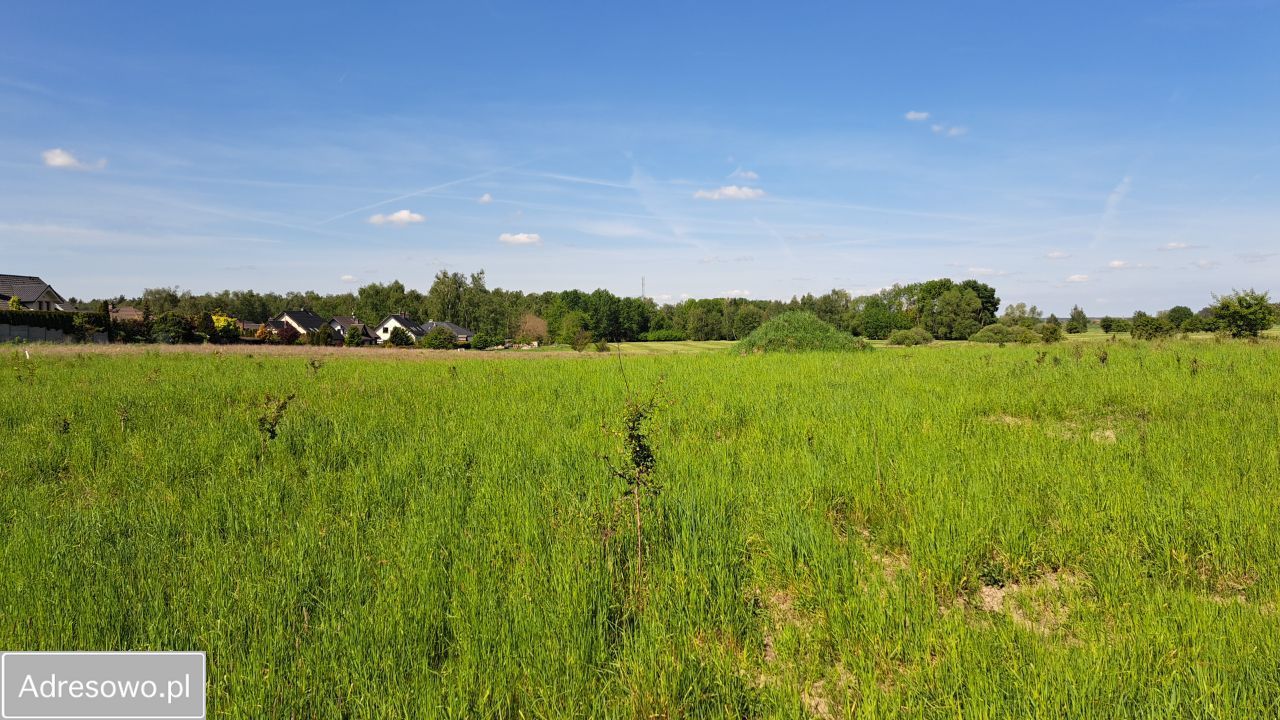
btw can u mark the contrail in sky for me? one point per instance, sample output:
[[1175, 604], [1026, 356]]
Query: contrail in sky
[[424, 191]]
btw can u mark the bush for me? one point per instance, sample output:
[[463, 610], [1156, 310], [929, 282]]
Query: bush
[[580, 340], [1244, 314], [399, 337], [1195, 323], [354, 337], [172, 328], [1146, 327], [663, 336], [602, 346], [225, 328], [1114, 325], [323, 336], [1003, 333], [532, 329], [132, 331], [482, 340], [799, 332], [1050, 332], [439, 338], [287, 335], [908, 338]]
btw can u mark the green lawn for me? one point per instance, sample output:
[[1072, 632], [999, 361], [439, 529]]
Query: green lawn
[[956, 531]]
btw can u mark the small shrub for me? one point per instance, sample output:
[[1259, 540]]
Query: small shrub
[[580, 340], [1000, 333], [799, 331], [1050, 332], [172, 328], [439, 338], [1146, 327], [399, 337], [482, 340], [602, 346], [321, 337], [909, 338]]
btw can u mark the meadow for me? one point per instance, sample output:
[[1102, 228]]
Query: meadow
[[1085, 530]]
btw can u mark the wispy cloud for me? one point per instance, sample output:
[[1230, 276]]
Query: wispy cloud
[[1205, 264], [743, 174], [1111, 208], [485, 199], [730, 192], [1177, 246], [737, 293], [423, 191], [1077, 278], [400, 218], [986, 272], [1058, 255], [949, 130], [59, 158], [1119, 264], [520, 238], [1255, 257], [916, 115], [1117, 196], [348, 278]]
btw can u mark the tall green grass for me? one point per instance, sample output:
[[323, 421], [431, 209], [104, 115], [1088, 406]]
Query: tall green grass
[[444, 539]]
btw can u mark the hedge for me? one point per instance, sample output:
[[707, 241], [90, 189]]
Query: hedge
[[48, 319]]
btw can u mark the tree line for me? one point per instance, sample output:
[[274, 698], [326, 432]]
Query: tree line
[[941, 308]]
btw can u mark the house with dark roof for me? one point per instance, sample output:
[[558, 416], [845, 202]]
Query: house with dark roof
[[418, 330], [304, 321], [343, 324], [31, 291]]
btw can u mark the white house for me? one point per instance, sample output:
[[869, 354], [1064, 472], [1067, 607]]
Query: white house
[[31, 291], [418, 330], [304, 321], [344, 324]]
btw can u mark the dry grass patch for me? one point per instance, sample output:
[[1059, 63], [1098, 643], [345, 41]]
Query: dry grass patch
[[1042, 605]]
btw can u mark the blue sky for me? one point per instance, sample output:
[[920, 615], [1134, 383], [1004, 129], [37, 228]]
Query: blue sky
[[1117, 155]]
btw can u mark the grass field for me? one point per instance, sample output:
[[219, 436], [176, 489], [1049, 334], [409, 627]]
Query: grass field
[[936, 532]]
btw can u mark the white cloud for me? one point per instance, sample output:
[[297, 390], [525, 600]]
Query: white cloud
[[1077, 278], [916, 115], [1206, 264], [348, 278], [1118, 264], [520, 238], [485, 199], [1057, 255], [1174, 246], [730, 192], [59, 158], [986, 272], [400, 218], [949, 130], [737, 293], [741, 174]]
